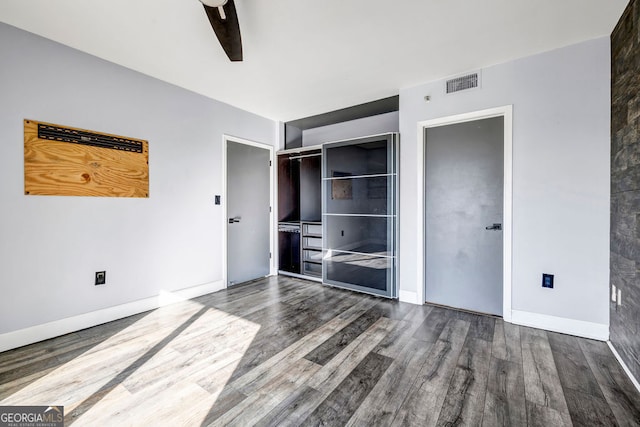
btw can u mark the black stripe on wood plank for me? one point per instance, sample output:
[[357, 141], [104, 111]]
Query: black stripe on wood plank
[[347, 397], [341, 339]]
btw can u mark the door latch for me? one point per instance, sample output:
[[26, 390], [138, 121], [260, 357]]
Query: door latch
[[232, 220], [495, 226]]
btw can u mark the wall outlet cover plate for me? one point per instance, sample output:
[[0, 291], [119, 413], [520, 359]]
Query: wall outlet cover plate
[[101, 278]]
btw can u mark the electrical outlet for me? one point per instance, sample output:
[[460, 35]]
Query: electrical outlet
[[101, 278], [614, 293], [619, 296], [547, 280]]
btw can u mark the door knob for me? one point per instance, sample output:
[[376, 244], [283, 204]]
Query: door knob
[[232, 220], [495, 226]]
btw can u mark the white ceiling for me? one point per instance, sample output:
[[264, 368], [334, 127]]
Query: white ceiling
[[304, 57]]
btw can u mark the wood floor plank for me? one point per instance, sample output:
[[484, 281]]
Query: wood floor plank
[[382, 404], [587, 410], [214, 377], [268, 397], [573, 369], [464, 402], [228, 399], [397, 339], [342, 338], [585, 400], [424, 401], [545, 416], [336, 370], [287, 413], [345, 399], [618, 390], [542, 383], [118, 398], [394, 309], [433, 324], [506, 342], [480, 326], [505, 403]]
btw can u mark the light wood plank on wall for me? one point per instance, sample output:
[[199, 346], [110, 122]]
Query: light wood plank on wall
[[59, 168]]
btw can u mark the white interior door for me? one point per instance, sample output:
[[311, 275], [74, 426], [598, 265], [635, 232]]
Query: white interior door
[[248, 212], [464, 215]]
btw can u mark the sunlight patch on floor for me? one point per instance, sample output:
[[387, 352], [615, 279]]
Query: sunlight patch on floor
[[158, 379]]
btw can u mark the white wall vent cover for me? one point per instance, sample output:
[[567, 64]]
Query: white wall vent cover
[[468, 81]]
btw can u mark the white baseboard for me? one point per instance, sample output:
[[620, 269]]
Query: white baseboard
[[624, 366], [408, 296], [22, 337], [579, 328]]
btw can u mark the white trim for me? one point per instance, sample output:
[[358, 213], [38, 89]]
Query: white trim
[[409, 297], [26, 336], [300, 149], [579, 328], [273, 270], [507, 222], [624, 366]]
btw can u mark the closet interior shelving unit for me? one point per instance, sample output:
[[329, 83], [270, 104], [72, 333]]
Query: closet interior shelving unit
[[300, 212]]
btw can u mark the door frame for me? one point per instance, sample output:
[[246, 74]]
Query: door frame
[[507, 225], [225, 140]]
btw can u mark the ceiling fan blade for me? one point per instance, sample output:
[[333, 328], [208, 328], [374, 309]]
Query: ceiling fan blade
[[227, 29]]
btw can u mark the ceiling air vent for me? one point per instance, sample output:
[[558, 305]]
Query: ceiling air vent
[[465, 82]]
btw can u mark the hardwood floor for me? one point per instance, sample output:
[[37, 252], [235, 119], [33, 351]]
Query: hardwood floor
[[287, 352]]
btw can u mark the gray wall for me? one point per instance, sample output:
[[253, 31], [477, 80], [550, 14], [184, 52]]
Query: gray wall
[[560, 177], [625, 187], [374, 125], [50, 247]]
